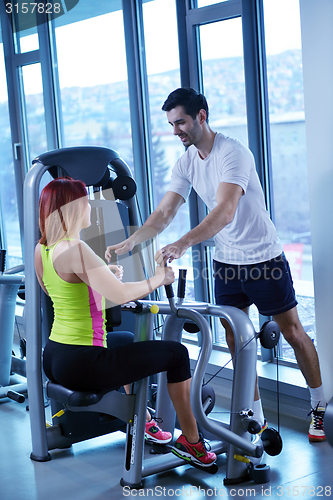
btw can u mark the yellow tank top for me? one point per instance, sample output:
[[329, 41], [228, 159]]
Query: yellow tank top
[[79, 311]]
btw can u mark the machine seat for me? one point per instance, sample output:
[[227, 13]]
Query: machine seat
[[73, 398]]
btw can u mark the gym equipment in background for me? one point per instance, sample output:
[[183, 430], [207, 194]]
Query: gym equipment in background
[[12, 367]]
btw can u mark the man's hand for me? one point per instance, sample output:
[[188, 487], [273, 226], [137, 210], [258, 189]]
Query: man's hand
[[171, 252], [120, 248]]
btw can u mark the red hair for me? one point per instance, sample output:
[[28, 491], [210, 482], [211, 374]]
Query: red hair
[[56, 195]]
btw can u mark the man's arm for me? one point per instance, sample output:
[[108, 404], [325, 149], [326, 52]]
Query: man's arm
[[227, 197], [154, 225]]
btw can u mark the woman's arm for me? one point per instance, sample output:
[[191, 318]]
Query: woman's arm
[[39, 267]]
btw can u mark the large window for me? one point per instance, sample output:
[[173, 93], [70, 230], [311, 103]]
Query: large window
[[9, 224], [34, 109], [28, 42], [93, 81], [25, 28], [95, 110], [161, 42], [223, 76], [289, 165], [221, 51]]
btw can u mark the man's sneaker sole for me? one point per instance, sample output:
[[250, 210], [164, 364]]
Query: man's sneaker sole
[[316, 439]]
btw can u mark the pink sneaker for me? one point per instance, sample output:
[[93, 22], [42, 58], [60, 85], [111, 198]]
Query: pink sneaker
[[155, 435], [195, 453]]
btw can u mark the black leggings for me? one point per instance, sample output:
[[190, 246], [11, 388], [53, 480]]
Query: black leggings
[[90, 368]]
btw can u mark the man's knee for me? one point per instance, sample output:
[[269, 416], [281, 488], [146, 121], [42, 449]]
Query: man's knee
[[229, 334], [291, 327], [226, 325], [294, 334]]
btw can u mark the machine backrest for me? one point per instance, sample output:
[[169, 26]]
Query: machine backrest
[[99, 168]]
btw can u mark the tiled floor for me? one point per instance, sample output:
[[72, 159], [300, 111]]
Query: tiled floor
[[92, 469]]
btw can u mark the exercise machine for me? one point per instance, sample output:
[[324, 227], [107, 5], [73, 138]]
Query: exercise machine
[[12, 367], [242, 426], [110, 180], [243, 455], [131, 409]]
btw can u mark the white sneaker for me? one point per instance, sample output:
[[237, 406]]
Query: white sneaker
[[316, 430]]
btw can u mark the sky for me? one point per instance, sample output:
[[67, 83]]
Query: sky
[[81, 64]]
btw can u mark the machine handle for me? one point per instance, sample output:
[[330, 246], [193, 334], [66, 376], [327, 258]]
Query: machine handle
[[15, 270], [169, 291], [181, 283], [15, 396]]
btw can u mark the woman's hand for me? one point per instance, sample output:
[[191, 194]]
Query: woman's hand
[[118, 271], [166, 274]]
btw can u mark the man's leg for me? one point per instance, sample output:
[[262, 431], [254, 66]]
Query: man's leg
[[230, 339], [305, 352], [308, 362], [229, 290], [229, 334]]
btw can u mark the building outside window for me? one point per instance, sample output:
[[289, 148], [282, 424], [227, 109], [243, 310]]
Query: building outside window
[[162, 54], [93, 79], [289, 162]]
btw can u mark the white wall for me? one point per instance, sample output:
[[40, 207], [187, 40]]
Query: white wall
[[317, 45]]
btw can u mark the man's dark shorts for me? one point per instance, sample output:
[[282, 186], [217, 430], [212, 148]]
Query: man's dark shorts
[[268, 285]]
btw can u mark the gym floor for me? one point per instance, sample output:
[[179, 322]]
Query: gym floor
[[92, 469]]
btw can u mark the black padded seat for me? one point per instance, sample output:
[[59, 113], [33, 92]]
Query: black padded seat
[[73, 398], [111, 402]]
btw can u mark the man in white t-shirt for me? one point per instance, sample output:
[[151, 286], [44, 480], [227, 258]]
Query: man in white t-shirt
[[249, 264]]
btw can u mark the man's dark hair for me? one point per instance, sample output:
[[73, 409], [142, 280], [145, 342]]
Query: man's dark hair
[[191, 100]]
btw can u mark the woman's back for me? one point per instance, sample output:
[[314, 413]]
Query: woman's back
[[79, 311]]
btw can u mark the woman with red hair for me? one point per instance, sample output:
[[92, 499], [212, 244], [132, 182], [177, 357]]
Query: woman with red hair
[[76, 354]]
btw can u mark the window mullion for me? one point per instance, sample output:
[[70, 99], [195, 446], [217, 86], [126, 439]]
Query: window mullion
[[139, 104], [50, 79]]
